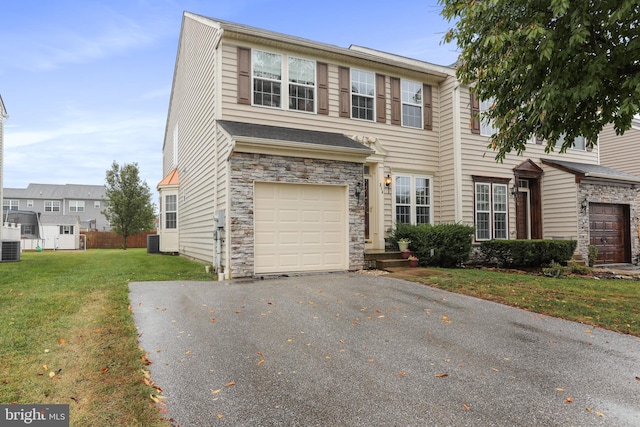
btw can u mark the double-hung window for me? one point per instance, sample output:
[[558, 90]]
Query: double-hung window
[[76, 206], [66, 229], [362, 94], [491, 210], [10, 205], [486, 125], [52, 205], [412, 104], [302, 84], [267, 78], [171, 211], [579, 143], [412, 199]]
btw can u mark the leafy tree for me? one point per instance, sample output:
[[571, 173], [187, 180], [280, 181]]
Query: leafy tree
[[127, 201], [555, 69]]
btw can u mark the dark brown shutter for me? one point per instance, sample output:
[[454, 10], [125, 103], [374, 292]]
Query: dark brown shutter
[[475, 114], [428, 109], [322, 71], [244, 75], [345, 91], [381, 99], [396, 106]]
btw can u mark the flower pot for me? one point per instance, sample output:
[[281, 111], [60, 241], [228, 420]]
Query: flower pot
[[413, 263], [403, 246], [406, 254]]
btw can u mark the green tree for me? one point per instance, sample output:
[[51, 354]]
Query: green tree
[[127, 201], [553, 68]]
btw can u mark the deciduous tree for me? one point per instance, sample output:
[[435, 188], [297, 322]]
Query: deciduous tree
[[553, 68], [127, 201]]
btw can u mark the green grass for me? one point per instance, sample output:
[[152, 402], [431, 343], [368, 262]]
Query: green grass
[[67, 333], [607, 303]]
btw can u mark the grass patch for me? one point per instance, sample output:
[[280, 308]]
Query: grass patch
[[607, 303], [67, 333]]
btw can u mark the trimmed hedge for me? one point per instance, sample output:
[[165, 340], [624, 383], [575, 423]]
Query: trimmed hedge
[[527, 253], [450, 243]]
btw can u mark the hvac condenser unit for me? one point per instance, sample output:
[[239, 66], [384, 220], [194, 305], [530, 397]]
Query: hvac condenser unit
[[10, 250]]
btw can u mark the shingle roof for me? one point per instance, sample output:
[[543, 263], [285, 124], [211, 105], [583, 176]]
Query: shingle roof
[[593, 171], [277, 133], [57, 192]]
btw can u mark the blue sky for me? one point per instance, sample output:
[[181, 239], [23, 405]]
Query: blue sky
[[88, 82]]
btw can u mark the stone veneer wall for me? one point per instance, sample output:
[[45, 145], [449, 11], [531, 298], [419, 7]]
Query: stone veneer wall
[[600, 193], [246, 168]]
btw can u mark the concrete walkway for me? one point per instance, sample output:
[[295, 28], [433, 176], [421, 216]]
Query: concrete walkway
[[366, 350]]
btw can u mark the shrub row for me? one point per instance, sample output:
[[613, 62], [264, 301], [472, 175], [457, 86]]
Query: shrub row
[[442, 245], [527, 253]]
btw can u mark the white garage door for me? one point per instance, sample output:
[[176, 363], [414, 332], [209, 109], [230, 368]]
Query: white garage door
[[300, 227]]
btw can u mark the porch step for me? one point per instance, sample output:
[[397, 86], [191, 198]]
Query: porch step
[[382, 260], [577, 259]]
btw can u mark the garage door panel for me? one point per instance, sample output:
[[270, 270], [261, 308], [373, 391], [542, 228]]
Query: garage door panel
[[309, 231], [609, 231]]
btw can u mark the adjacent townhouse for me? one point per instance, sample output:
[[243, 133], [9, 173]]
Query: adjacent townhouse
[[615, 149], [284, 155], [78, 201]]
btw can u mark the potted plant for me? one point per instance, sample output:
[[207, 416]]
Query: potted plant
[[413, 261], [406, 254], [403, 244]]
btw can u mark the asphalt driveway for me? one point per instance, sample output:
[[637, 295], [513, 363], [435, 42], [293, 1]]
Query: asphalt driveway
[[364, 350]]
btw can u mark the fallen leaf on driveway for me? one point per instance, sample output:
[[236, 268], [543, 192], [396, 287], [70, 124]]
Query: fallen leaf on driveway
[[569, 400], [216, 391], [261, 362], [638, 378], [230, 383], [402, 374], [466, 407], [442, 375], [445, 319], [212, 320], [559, 389], [219, 416]]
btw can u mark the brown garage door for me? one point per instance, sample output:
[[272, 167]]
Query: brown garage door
[[609, 230]]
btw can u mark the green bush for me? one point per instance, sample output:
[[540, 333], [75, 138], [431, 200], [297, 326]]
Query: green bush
[[593, 255], [527, 253], [442, 245]]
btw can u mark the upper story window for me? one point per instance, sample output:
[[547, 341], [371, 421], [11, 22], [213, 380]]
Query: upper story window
[[96, 204], [52, 205], [171, 211], [411, 104], [29, 203], [76, 205], [267, 78], [10, 205], [302, 84], [580, 143], [486, 125], [362, 94]]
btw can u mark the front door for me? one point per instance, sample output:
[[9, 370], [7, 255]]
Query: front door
[[528, 209]]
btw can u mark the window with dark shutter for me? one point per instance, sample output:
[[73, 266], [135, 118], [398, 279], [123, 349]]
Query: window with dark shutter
[[427, 109], [244, 75], [323, 88], [475, 114], [381, 99]]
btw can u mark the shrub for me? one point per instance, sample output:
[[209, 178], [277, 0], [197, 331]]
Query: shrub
[[443, 245], [555, 270], [593, 255], [527, 253]]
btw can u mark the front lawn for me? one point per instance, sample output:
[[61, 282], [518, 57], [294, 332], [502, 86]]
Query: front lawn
[[608, 303], [67, 334]]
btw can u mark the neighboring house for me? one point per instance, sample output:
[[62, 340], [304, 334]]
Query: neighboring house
[[615, 149], [284, 155], [83, 201]]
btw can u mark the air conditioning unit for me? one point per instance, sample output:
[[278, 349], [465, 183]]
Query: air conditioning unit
[[11, 250]]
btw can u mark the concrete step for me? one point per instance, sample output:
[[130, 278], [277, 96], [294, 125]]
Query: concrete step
[[383, 264], [383, 255]]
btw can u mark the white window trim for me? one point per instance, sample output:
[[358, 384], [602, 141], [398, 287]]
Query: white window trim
[[285, 82], [492, 212], [419, 104], [413, 206], [372, 97], [486, 126], [53, 203], [11, 204], [166, 211], [76, 206]]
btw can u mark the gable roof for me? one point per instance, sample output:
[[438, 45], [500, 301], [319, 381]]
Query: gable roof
[[57, 192], [277, 133], [583, 171]]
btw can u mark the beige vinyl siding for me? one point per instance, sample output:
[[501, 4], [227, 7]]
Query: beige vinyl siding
[[192, 111], [478, 159], [559, 204], [620, 151], [446, 182], [409, 149]]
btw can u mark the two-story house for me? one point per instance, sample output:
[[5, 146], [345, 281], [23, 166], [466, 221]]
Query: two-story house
[[79, 201], [286, 155]]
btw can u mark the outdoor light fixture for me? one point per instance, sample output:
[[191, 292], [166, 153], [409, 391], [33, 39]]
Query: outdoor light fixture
[[358, 190], [387, 181], [583, 206]]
